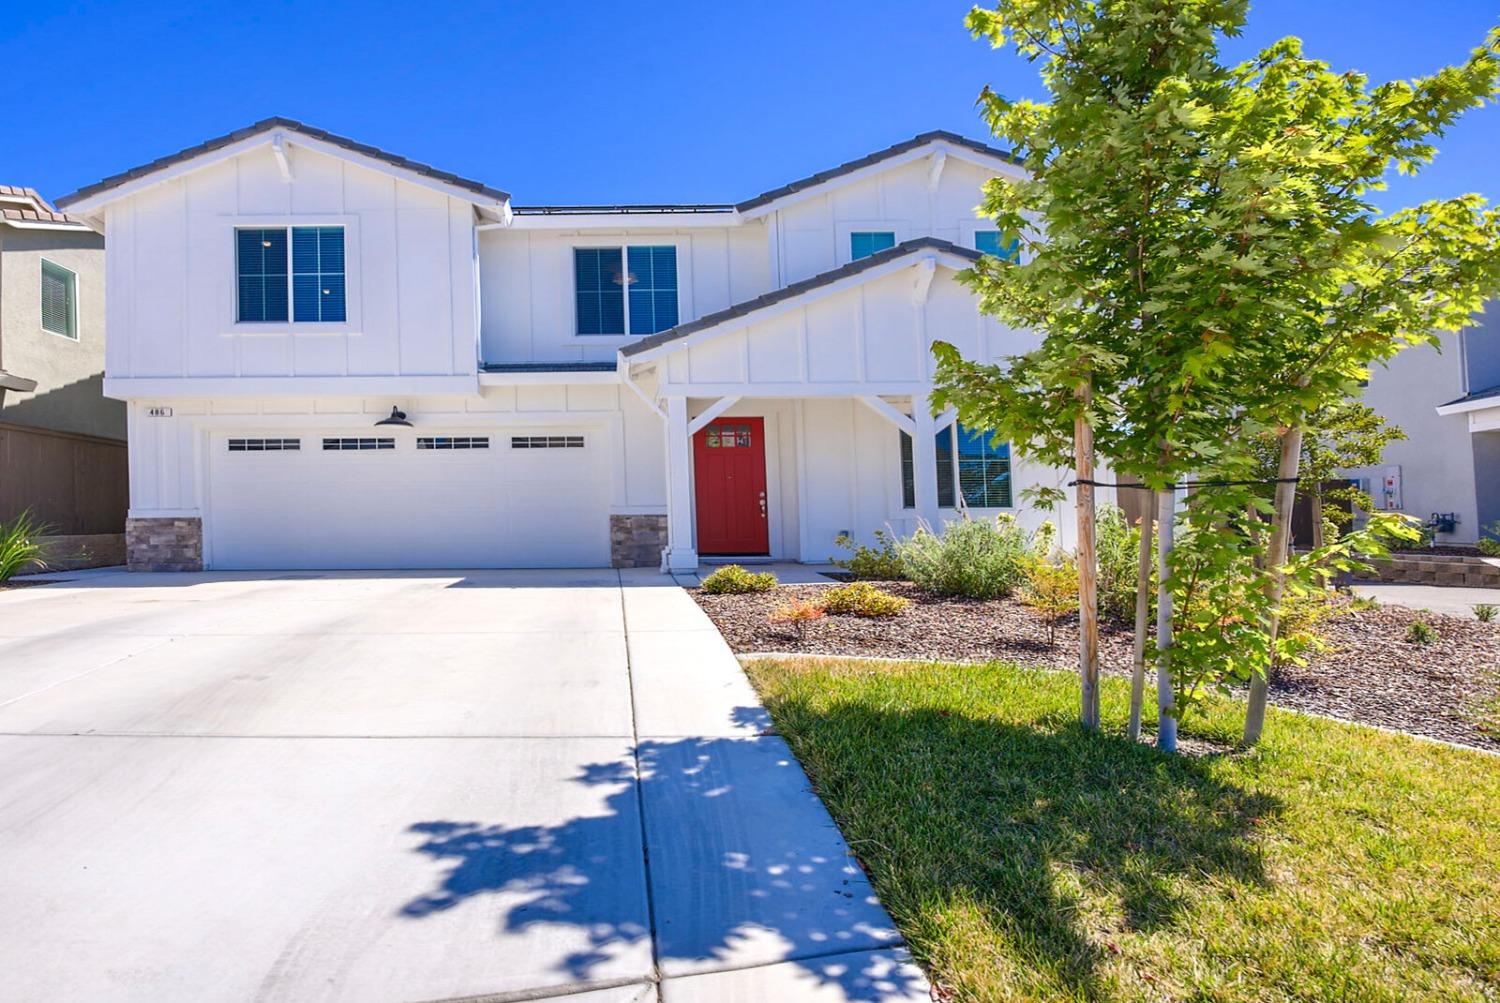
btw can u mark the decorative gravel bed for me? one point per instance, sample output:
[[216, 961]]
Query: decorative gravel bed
[[1370, 673]]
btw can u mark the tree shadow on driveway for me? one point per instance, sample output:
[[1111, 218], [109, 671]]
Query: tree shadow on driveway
[[746, 869]]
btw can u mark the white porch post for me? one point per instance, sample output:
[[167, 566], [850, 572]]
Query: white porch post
[[680, 554], [924, 462]]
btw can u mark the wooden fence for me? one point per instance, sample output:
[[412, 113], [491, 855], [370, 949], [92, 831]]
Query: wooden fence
[[76, 484]]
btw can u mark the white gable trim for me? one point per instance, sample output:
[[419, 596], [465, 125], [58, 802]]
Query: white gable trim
[[286, 141], [936, 148], [924, 261]]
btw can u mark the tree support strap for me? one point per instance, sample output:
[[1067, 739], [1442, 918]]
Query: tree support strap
[[1186, 484]]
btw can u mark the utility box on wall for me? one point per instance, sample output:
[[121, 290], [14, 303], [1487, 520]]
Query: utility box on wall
[[1390, 489]]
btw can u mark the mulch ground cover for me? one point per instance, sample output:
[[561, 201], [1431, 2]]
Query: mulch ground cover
[[1370, 672]]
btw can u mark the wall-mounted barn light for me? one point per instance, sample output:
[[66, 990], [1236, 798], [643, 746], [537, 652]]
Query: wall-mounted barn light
[[398, 417]]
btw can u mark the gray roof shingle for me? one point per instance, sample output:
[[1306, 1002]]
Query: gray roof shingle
[[277, 122], [813, 180], [875, 260]]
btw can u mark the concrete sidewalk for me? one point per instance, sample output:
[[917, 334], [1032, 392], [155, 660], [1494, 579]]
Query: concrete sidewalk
[[409, 786], [1452, 600]]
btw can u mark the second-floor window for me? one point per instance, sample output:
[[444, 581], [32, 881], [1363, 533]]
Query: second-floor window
[[863, 243], [625, 290], [59, 300], [290, 273], [989, 242]]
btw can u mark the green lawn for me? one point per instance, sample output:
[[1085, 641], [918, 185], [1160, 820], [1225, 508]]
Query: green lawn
[[1025, 859]]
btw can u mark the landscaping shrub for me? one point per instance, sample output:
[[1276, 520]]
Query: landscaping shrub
[[1419, 631], [733, 580], [1051, 589], [1489, 546], [21, 545], [797, 614], [1118, 544], [880, 562], [862, 599], [980, 559], [1485, 612]]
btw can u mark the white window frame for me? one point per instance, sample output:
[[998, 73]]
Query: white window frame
[[232, 326], [75, 335], [623, 245], [899, 509]]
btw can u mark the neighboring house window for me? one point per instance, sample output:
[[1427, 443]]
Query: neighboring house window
[[863, 243], [295, 272], [59, 300], [988, 242], [969, 466], [601, 279]]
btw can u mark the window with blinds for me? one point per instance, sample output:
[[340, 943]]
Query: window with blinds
[[294, 273], [969, 466], [625, 290], [59, 300]]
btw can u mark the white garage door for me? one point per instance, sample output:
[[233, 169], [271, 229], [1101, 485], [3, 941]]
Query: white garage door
[[407, 498]]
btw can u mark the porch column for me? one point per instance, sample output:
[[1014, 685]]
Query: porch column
[[924, 462], [680, 554]]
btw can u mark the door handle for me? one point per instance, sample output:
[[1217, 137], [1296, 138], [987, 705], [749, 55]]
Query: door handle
[[762, 504]]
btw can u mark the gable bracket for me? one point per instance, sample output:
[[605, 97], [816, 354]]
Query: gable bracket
[[935, 169], [283, 160], [926, 269]]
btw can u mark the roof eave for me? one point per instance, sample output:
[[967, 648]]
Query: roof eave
[[92, 198]]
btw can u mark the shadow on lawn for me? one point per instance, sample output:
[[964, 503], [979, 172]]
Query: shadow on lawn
[[942, 808], [741, 857]]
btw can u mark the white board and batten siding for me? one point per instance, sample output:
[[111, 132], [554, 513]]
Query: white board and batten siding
[[412, 299], [529, 311]]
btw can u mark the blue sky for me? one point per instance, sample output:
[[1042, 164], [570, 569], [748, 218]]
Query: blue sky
[[588, 102]]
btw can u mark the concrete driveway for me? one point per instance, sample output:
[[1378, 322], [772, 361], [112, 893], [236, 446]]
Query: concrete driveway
[[408, 786]]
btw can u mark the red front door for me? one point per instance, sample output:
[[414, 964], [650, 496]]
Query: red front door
[[729, 471]]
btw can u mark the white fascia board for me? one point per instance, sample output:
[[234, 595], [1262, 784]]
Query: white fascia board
[[137, 387], [997, 164], [625, 221], [1462, 407], [34, 224], [797, 391], [294, 139], [549, 379], [917, 257]]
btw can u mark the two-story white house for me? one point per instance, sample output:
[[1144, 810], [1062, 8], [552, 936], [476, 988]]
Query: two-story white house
[[334, 357]]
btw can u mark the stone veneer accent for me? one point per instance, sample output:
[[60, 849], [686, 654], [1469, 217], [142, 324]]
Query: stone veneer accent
[[164, 544], [1435, 569], [636, 541]]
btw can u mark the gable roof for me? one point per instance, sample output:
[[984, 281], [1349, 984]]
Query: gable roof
[[266, 125], [834, 173], [907, 248]]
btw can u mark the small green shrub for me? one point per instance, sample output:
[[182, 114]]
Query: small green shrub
[[983, 559], [880, 562], [862, 599], [1489, 546], [733, 580], [1052, 590], [1485, 612], [1419, 631], [21, 545]]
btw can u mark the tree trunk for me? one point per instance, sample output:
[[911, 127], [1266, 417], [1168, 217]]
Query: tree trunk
[[1142, 612], [1088, 562], [1166, 704], [1276, 555]]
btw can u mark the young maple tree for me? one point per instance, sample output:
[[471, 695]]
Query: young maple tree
[[1204, 272]]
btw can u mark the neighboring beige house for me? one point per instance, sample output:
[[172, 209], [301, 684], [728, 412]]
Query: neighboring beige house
[[62, 442]]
